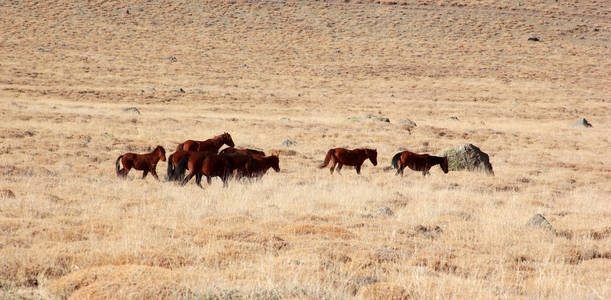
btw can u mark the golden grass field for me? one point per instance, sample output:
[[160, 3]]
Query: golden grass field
[[270, 71]]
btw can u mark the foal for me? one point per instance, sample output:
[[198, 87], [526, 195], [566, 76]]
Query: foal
[[418, 162], [356, 157], [144, 162]]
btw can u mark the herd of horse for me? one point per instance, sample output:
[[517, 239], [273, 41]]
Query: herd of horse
[[202, 158]]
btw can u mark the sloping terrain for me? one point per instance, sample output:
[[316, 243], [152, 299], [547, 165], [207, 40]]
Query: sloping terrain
[[311, 73]]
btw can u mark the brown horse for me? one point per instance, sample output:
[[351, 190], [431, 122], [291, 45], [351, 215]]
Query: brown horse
[[246, 151], [144, 162], [240, 157], [176, 172], [213, 144], [258, 165], [418, 162], [210, 165], [356, 157]]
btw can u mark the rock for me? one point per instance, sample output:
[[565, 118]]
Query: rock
[[289, 143], [140, 92], [6, 193], [378, 118], [582, 122], [150, 90], [407, 122], [539, 220], [132, 109], [172, 59], [467, 157], [178, 90], [385, 211], [533, 39], [455, 118]]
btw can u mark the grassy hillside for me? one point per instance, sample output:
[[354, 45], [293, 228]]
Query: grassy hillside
[[309, 72]]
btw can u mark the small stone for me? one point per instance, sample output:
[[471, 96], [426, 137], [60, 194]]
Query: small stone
[[132, 109], [455, 118], [533, 39], [140, 92], [407, 122], [172, 59], [582, 122], [151, 90], [179, 90], [539, 220], [6, 193], [289, 143], [385, 211]]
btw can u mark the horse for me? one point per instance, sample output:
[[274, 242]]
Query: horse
[[257, 166], [213, 144], [356, 157], [210, 165], [246, 151], [144, 162], [176, 172], [418, 162]]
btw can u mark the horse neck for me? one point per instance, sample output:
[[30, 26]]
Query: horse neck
[[156, 154], [436, 160], [218, 142]]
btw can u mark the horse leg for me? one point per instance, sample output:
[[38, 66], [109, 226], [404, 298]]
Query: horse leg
[[144, 173], [358, 169], [154, 173], [399, 171], [332, 166], [198, 180], [187, 178], [209, 179], [339, 167]]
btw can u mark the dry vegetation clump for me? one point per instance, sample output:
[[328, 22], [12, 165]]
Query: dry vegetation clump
[[82, 83]]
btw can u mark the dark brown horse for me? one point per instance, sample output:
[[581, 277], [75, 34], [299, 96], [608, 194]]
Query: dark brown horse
[[176, 172], [239, 159], [258, 165], [210, 165], [418, 162], [213, 144], [356, 157], [144, 162], [246, 151]]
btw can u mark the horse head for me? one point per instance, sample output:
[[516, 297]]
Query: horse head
[[373, 156], [228, 140], [161, 152], [275, 163], [444, 164]]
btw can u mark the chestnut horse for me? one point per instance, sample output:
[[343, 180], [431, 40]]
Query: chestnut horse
[[213, 144], [258, 165], [418, 162], [176, 172], [356, 157], [210, 165], [144, 162]]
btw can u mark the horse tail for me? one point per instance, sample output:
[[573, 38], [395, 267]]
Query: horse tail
[[117, 166], [330, 155], [395, 160], [170, 168], [181, 167]]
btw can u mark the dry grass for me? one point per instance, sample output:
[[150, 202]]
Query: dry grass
[[271, 71]]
